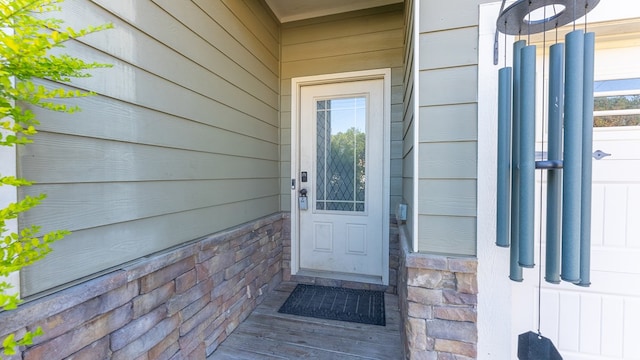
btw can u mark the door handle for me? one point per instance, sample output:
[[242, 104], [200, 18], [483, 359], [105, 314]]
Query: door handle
[[599, 154], [302, 200]]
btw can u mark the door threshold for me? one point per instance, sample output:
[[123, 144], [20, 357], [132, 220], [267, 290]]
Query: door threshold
[[367, 279]]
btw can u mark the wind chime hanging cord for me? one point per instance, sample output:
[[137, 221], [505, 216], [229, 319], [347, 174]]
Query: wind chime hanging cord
[[495, 40], [544, 72]]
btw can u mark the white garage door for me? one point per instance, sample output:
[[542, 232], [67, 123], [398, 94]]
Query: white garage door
[[602, 321]]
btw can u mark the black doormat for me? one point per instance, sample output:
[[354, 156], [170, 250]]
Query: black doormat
[[326, 302]]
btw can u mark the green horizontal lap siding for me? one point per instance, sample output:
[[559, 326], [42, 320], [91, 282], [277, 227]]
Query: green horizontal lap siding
[[447, 234], [447, 154], [181, 141], [448, 197], [368, 39], [408, 117]]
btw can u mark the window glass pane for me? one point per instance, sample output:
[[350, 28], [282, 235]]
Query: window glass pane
[[616, 85], [620, 102], [341, 154], [617, 103], [616, 120]]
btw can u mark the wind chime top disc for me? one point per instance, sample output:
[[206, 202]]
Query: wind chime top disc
[[516, 18]]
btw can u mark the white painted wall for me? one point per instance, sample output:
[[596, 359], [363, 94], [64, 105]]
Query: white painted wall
[[494, 287]]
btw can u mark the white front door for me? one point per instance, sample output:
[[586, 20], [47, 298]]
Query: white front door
[[341, 176]]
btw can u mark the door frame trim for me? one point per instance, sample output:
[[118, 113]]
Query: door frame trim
[[296, 85]]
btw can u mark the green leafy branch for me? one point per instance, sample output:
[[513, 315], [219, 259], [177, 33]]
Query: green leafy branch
[[26, 38]]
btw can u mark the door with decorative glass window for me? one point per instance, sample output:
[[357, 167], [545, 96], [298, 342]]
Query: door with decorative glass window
[[341, 181]]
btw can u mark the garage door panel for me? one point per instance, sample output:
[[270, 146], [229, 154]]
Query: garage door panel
[[612, 317], [623, 278], [597, 214], [632, 328], [620, 133], [615, 260], [619, 149], [589, 325], [569, 311], [633, 218], [549, 319], [616, 171], [615, 219]]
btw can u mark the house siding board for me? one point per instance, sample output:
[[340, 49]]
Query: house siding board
[[408, 117], [444, 234], [108, 119], [81, 159], [95, 248], [257, 28], [361, 40], [133, 85], [238, 28], [448, 197], [448, 160], [457, 85], [437, 15], [180, 38], [362, 43], [181, 142], [90, 205], [363, 23], [342, 63], [262, 12], [448, 125], [443, 55]]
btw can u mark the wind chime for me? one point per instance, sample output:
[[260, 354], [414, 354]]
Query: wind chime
[[568, 164]]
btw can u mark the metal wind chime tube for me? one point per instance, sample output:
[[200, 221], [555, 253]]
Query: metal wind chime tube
[[587, 149], [504, 157], [568, 165], [572, 177], [515, 271], [527, 155], [554, 175]]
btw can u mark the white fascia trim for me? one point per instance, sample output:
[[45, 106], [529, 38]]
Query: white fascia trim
[[416, 124]]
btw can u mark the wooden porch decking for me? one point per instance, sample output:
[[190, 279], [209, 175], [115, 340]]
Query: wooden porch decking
[[267, 334]]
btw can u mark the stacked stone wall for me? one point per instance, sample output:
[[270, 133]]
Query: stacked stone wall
[[176, 305], [438, 300]]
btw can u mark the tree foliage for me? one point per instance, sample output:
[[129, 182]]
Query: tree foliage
[[27, 36], [613, 103], [346, 178]]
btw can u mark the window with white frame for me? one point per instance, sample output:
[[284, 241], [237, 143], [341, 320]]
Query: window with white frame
[[616, 103]]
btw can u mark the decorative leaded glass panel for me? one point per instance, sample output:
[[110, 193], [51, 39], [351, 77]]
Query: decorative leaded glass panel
[[341, 154]]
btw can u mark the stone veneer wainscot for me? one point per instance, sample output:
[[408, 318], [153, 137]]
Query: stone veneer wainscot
[[179, 304], [438, 304]]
